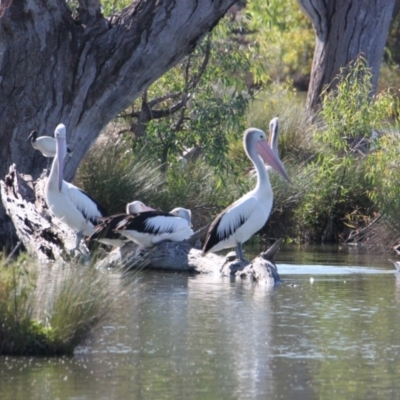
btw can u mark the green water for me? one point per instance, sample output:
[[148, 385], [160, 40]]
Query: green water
[[173, 336]]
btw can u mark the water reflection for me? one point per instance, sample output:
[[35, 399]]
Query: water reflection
[[204, 337]]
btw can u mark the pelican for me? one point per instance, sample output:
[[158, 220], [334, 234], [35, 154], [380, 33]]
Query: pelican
[[242, 219], [104, 232], [67, 202], [152, 227], [45, 144]]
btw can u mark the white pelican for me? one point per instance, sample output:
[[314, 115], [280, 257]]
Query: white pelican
[[152, 227], [45, 144], [104, 231], [242, 219], [67, 202]]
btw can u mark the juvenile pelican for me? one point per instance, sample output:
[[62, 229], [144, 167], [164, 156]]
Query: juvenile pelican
[[151, 227], [242, 219], [67, 202], [45, 144], [104, 231]]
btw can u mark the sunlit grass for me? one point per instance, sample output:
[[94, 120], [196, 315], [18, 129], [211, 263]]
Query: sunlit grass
[[111, 175], [49, 310]]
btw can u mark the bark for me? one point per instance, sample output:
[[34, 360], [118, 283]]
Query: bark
[[84, 69], [344, 30], [44, 237]]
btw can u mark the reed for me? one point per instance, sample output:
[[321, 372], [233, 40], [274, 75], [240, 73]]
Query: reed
[[48, 311], [114, 177]]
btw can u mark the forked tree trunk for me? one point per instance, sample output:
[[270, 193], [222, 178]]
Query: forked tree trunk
[[84, 69], [344, 30]]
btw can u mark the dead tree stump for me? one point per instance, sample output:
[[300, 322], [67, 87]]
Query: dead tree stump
[[44, 237]]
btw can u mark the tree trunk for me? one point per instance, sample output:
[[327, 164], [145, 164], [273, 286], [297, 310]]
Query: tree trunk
[[345, 29], [84, 69]]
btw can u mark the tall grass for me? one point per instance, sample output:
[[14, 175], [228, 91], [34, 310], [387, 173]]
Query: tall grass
[[111, 175], [114, 176], [50, 310]]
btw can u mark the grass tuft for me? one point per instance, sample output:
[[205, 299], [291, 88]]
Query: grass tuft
[[47, 311], [111, 175]]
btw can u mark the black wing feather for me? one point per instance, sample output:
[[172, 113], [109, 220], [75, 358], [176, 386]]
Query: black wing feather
[[105, 229], [213, 237], [100, 208], [140, 221]]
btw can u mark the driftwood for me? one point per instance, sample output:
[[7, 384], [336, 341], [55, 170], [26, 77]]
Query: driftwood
[[43, 236], [183, 257], [48, 239]]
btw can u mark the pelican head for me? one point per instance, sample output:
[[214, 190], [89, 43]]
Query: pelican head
[[32, 136], [136, 207], [61, 149], [255, 143], [182, 213]]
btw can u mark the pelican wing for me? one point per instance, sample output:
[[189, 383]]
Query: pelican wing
[[105, 229], [152, 222], [226, 223], [90, 208]]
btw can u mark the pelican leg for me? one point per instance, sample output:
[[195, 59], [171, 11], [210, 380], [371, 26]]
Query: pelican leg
[[83, 252], [78, 240], [239, 252]]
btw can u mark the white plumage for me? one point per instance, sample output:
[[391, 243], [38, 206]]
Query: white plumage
[[241, 220], [152, 227], [67, 202], [105, 233], [45, 144]]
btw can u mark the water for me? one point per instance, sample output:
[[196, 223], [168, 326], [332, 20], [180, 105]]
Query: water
[[331, 330]]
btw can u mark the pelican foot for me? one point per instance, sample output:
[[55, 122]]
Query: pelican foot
[[79, 256]]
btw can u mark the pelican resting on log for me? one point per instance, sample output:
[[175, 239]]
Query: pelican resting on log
[[242, 219], [104, 231], [152, 227], [67, 202], [45, 144]]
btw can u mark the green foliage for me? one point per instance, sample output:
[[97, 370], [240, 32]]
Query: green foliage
[[18, 331], [384, 176], [83, 297], [284, 39], [341, 175], [113, 6], [281, 100], [350, 111], [51, 315], [202, 101]]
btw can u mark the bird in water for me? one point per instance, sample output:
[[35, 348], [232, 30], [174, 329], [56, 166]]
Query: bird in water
[[152, 227], [242, 219], [68, 203], [104, 231]]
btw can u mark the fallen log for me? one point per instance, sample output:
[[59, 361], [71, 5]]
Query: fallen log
[[183, 257], [49, 240]]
